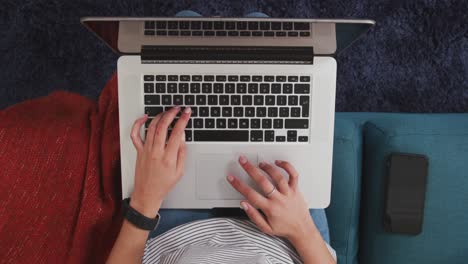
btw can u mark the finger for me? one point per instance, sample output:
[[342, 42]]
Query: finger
[[276, 175], [250, 194], [257, 218], [150, 132], [181, 158], [293, 175], [160, 133], [135, 134], [178, 133], [265, 185]]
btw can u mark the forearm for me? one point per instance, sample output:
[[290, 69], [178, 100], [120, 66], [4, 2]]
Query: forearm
[[130, 243], [311, 247]]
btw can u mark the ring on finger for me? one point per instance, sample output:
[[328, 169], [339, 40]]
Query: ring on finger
[[271, 192]]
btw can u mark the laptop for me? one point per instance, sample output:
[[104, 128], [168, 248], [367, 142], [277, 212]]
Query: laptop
[[261, 87]]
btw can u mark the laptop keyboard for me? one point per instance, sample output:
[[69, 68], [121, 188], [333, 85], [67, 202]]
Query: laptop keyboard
[[234, 108], [211, 28]]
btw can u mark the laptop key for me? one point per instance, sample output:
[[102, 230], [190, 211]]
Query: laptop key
[[207, 25], [301, 26], [303, 138], [229, 88], [264, 88], [185, 78], [197, 33], [304, 78], [257, 33], [230, 25], [173, 33], [235, 100], [160, 88], [207, 88], [302, 88], [257, 78], [245, 78], [218, 88], [246, 100], [172, 87], [224, 135], [178, 100], [266, 123], [272, 112], [148, 122], [232, 123], [166, 99], [293, 100], [293, 78], [224, 99], [258, 100], [196, 78], [261, 111], [255, 123], [198, 123], [212, 100], [304, 102], [276, 25], [161, 24], [253, 87], [241, 25], [161, 78], [221, 33], [281, 78], [194, 88], [148, 87], [268, 33], [153, 111], [204, 111], [161, 33], [304, 34], [148, 78], [149, 24], [209, 123], [278, 123], [189, 123], [293, 34], [233, 78], [172, 24], [173, 78], [275, 88], [269, 135], [208, 78], [227, 111], [287, 25], [244, 123], [194, 111], [188, 135], [218, 25], [296, 123], [292, 135], [256, 135], [250, 111], [253, 25], [245, 33], [215, 111], [270, 100], [269, 78], [265, 25], [284, 112], [238, 111], [241, 88], [183, 87], [220, 123], [184, 24], [280, 33], [281, 100], [209, 33], [195, 25], [189, 99], [201, 99], [233, 33], [287, 88], [152, 100], [280, 139], [295, 112]]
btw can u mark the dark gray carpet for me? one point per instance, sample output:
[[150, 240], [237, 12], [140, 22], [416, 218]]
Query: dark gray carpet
[[414, 60]]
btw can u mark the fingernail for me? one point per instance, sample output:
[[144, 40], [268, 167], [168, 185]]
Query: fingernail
[[261, 164], [187, 110], [242, 159], [278, 161], [177, 107], [244, 206], [230, 178]]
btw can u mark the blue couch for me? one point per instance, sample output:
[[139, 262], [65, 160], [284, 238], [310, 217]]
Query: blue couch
[[362, 143]]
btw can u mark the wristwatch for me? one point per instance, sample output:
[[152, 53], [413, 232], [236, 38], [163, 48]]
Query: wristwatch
[[136, 218]]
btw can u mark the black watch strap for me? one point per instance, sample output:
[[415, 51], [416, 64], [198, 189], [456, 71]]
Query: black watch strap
[[136, 218]]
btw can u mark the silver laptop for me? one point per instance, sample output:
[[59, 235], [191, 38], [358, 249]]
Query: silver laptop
[[261, 87]]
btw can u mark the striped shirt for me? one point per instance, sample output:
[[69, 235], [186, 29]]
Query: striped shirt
[[219, 240]]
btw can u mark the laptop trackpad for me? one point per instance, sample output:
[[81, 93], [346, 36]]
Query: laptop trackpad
[[212, 170]]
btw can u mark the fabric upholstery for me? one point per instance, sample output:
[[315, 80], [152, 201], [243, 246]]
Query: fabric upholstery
[[444, 140], [343, 212]]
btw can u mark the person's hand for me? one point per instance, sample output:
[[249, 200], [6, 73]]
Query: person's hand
[[159, 166], [285, 212]]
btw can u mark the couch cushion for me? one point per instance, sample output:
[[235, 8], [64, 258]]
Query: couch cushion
[[343, 212], [444, 238]]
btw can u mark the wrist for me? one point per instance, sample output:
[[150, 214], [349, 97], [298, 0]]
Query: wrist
[[149, 210], [304, 234]]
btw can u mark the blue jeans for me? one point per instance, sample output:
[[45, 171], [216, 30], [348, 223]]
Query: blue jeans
[[173, 217]]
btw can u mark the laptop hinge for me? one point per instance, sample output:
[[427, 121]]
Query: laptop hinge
[[227, 54]]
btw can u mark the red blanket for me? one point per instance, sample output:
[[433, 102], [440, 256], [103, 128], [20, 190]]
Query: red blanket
[[60, 178]]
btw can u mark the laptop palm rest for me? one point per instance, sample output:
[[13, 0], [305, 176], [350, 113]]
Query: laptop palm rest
[[212, 170]]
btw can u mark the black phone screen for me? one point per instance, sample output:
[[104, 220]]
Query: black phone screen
[[405, 193]]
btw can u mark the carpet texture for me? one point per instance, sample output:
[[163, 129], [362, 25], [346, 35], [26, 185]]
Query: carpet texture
[[414, 60]]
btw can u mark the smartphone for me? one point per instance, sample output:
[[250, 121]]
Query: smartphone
[[405, 193]]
